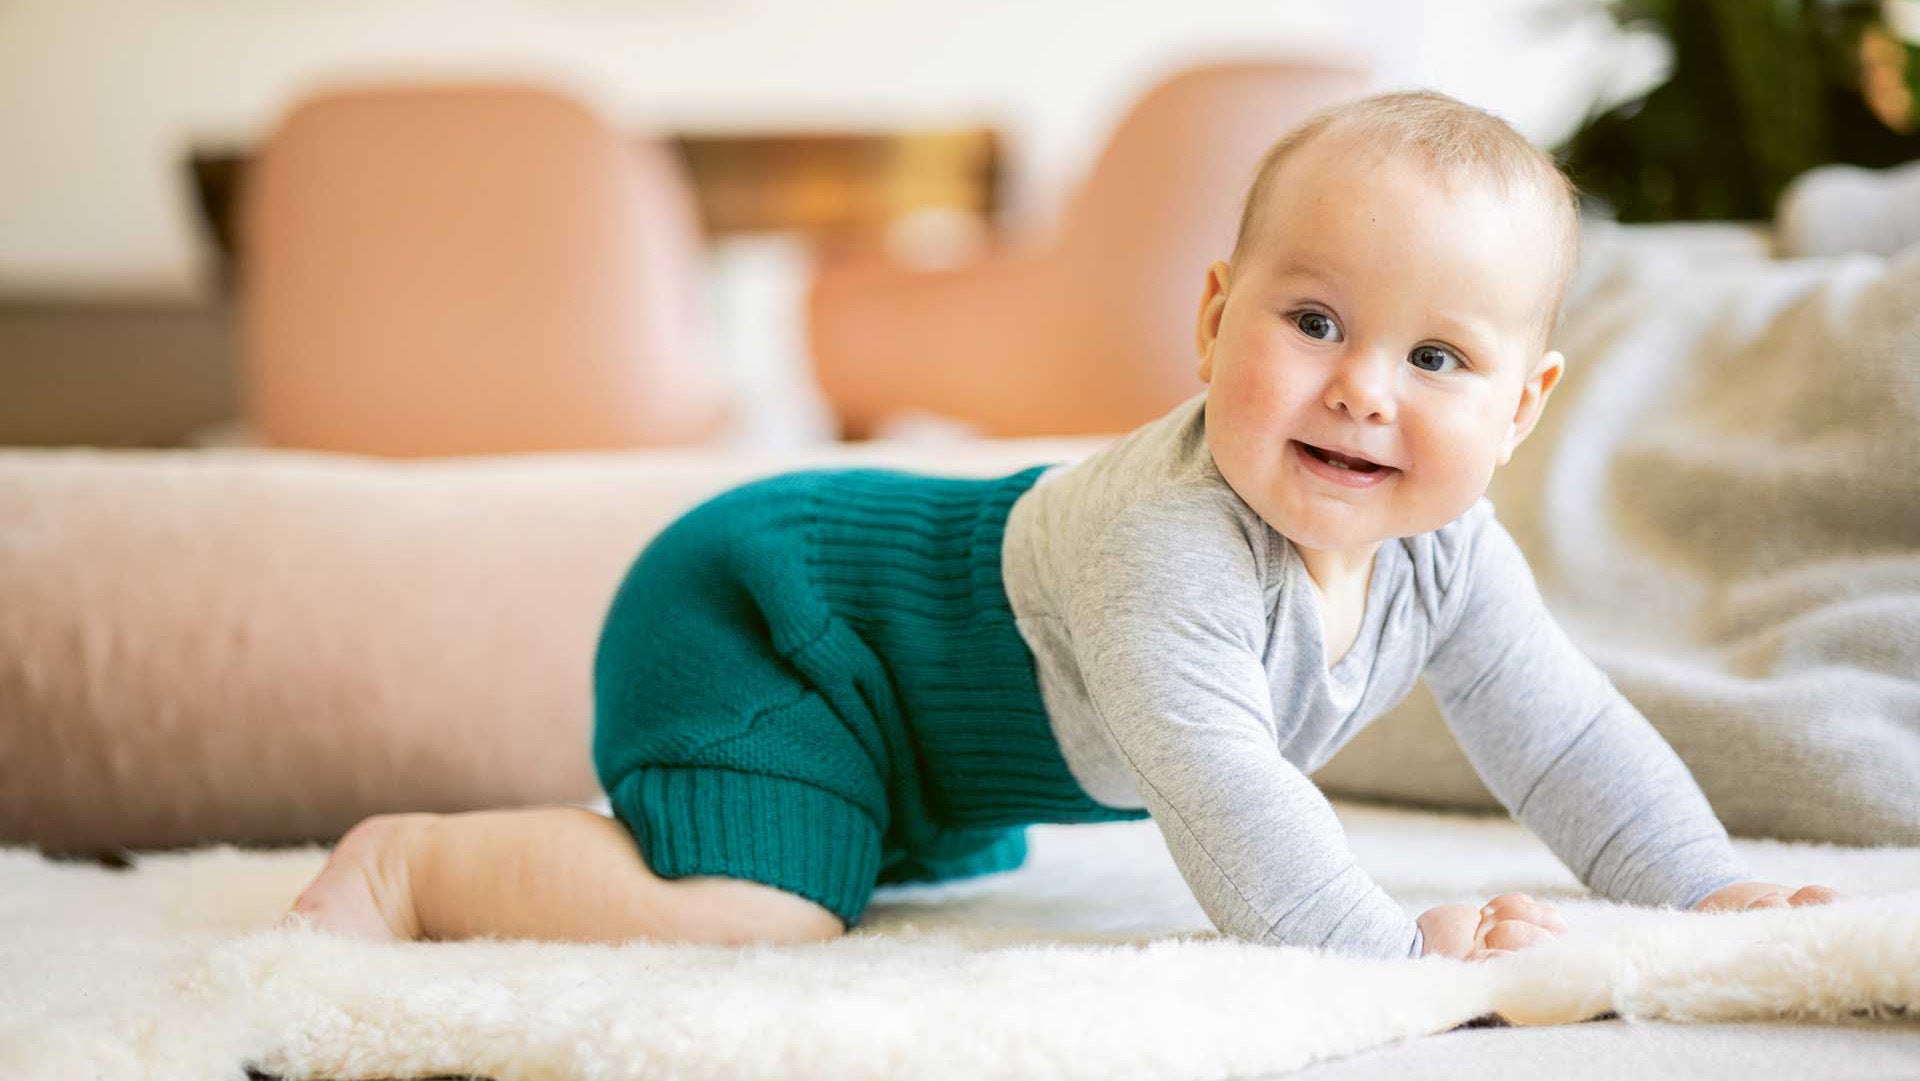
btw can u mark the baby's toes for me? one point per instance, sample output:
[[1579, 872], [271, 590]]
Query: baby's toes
[[1516, 935], [1813, 895]]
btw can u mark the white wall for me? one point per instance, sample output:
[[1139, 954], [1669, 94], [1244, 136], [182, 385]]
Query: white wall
[[100, 99]]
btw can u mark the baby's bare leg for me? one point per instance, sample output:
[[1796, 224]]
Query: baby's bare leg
[[551, 873]]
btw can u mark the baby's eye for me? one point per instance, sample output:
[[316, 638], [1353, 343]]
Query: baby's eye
[[1436, 355], [1317, 325]]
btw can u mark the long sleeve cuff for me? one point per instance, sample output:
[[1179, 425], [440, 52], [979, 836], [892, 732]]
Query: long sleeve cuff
[[1683, 874], [1352, 915]]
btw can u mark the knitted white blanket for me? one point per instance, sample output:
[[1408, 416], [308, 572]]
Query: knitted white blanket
[[1092, 961]]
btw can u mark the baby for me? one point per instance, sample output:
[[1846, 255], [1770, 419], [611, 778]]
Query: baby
[[829, 680]]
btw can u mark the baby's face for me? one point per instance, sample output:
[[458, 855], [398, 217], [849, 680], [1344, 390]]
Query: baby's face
[[1387, 313]]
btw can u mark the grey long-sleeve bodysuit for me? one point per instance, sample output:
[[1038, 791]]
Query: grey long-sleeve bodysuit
[[1180, 656]]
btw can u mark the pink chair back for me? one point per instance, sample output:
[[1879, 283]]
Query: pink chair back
[[1095, 334], [469, 269]]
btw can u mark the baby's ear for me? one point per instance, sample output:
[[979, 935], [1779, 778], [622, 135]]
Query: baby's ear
[[1533, 397], [1213, 305], [1547, 372]]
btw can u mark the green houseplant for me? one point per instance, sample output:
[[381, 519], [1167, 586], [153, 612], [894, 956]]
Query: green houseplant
[[1759, 91]]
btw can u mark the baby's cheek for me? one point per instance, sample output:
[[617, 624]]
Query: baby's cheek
[[1447, 463]]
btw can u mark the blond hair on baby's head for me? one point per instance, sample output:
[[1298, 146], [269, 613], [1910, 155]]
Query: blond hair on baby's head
[[1453, 138]]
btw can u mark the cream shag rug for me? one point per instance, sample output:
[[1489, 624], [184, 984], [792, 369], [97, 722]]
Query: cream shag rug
[[1092, 961]]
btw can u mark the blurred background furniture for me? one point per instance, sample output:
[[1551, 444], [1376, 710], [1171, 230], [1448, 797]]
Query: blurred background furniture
[[450, 269], [1093, 332], [843, 187], [113, 325], [113, 371]]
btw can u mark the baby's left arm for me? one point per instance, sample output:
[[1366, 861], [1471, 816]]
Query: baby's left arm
[[1561, 747]]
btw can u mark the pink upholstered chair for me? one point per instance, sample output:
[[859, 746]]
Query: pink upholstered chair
[[1095, 334], [467, 269]]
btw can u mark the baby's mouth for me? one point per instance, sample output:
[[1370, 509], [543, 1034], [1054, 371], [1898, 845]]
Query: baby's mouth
[[1357, 465]]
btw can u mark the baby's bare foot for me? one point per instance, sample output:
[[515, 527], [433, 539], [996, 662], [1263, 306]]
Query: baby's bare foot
[[364, 890]]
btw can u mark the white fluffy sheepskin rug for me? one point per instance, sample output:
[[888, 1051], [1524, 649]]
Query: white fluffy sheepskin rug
[[1092, 961]]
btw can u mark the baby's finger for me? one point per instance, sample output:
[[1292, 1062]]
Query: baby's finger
[[1536, 913], [1813, 895], [1508, 908], [1516, 935]]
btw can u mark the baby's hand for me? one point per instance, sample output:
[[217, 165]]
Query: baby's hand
[[1509, 922], [1743, 895]]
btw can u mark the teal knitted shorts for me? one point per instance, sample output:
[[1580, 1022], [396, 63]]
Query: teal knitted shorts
[[814, 681]]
